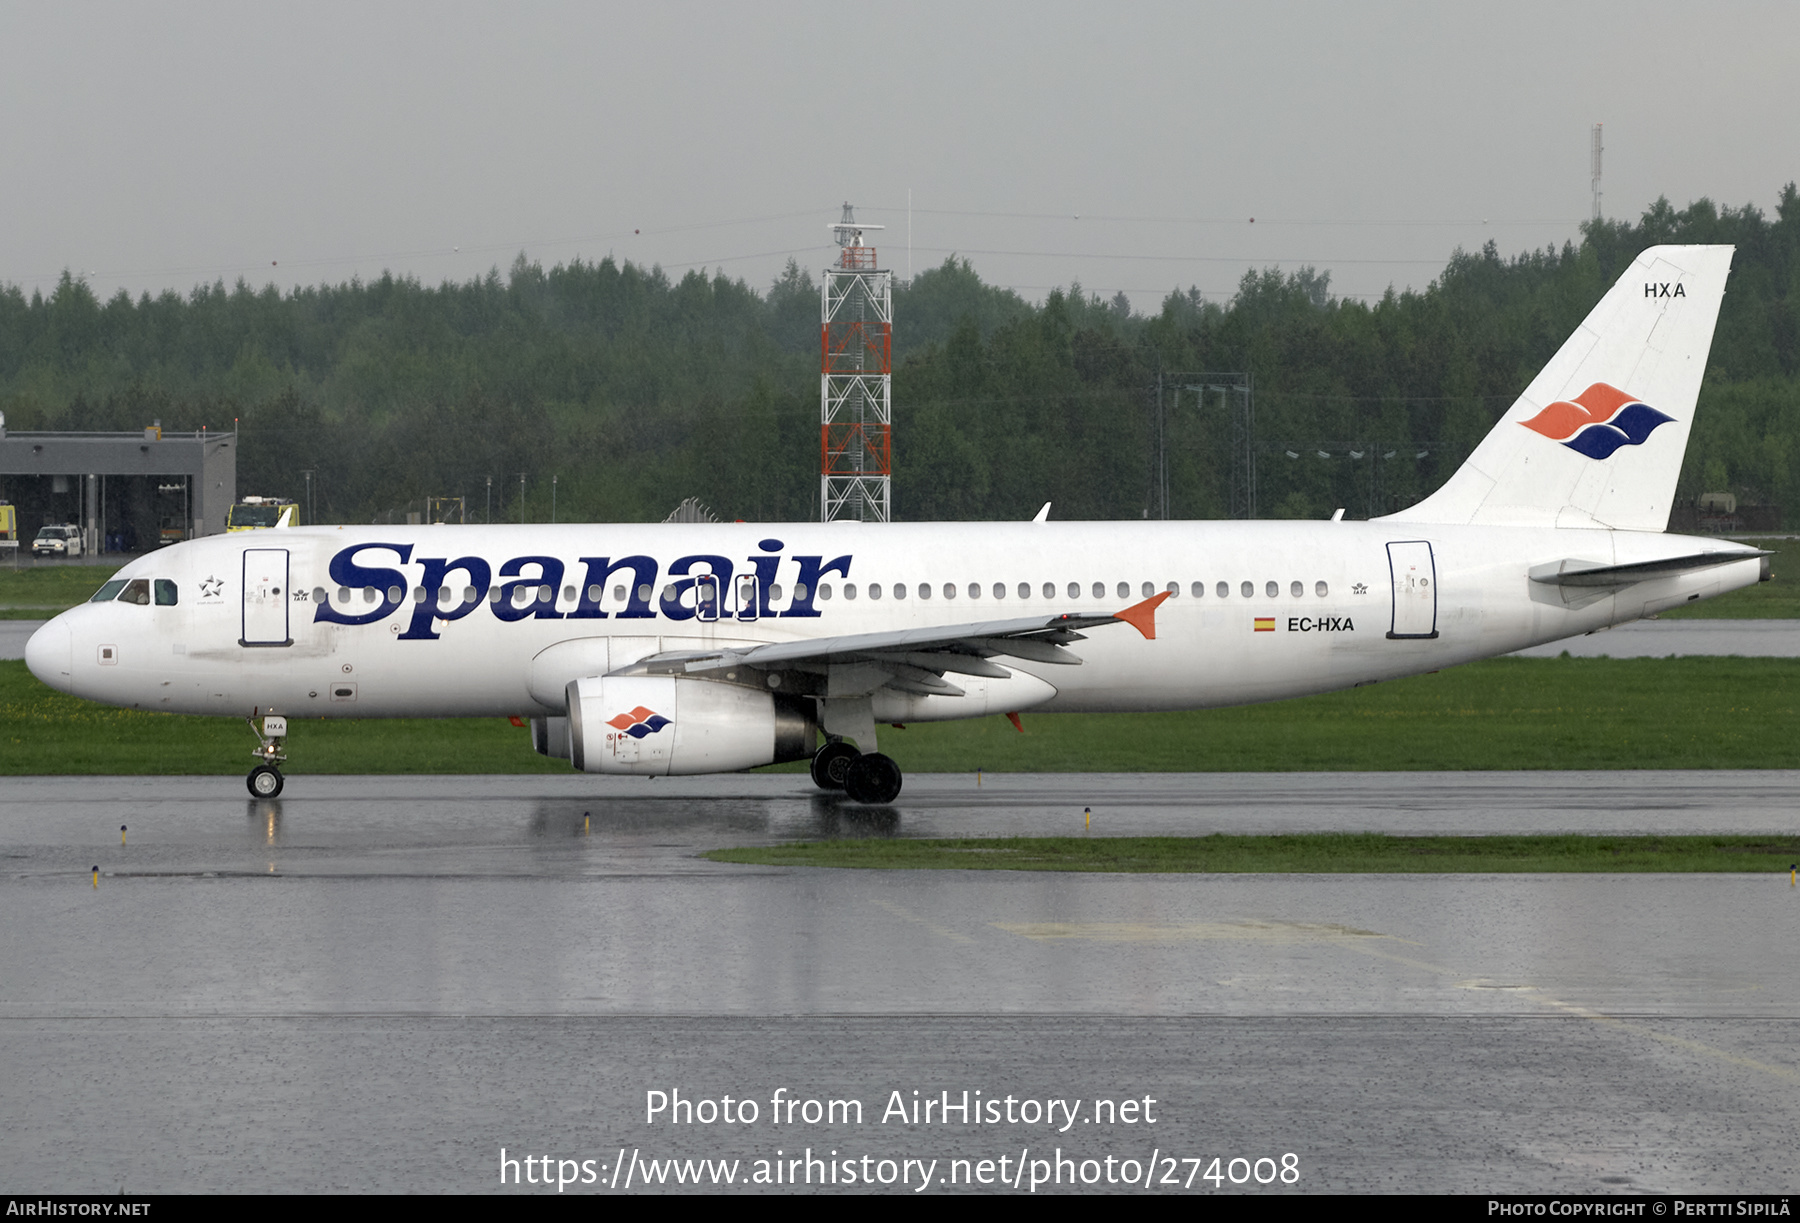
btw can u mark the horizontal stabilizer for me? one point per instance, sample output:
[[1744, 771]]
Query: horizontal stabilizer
[[1586, 573]]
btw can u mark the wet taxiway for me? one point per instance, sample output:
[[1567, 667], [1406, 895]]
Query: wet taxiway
[[378, 983]]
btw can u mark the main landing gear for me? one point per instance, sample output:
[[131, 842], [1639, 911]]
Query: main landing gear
[[265, 779], [868, 778]]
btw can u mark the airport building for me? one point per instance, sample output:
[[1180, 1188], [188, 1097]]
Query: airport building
[[127, 492]]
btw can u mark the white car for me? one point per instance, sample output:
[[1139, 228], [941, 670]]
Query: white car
[[62, 541]]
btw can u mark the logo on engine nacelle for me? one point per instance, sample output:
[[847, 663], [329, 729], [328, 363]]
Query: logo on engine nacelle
[[639, 722]]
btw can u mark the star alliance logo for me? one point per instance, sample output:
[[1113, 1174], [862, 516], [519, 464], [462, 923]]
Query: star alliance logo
[[211, 588]]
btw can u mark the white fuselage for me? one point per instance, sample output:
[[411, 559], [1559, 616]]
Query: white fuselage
[[438, 621]]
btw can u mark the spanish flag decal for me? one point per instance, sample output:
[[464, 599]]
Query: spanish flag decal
[[1265, 624]]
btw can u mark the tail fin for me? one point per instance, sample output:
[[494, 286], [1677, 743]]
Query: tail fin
[[1597, 438]]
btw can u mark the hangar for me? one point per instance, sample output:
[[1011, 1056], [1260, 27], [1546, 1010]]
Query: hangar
[[128, 492]]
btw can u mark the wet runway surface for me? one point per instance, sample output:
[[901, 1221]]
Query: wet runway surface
[[378, 983], [1681, 638]]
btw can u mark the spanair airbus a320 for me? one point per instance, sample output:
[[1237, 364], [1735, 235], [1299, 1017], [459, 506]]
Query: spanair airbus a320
[[699, 648]]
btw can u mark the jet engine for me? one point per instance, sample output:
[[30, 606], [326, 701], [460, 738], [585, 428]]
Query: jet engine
[[665, 724]]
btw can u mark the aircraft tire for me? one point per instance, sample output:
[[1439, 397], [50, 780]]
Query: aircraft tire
[[265, 781], [873, 779], [831, 765]]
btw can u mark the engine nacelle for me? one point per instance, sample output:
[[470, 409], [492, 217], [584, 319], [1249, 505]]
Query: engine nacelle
[[550, 737], [665, 724]]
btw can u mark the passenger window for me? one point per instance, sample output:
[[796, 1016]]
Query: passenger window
[[494, 595], [899, 590], [1297, 589], [108, 592], [850, 591], [1049, 590], [1024, 590], [644, 593], [368, 594], [1074, 590], [974, 590], [319, 595], [1199, 590], [924, 590], [137, 592], [418, 594], [594, 593], [825, 591], [1150, 589], [568, 594], [949, 590], [343, 594], [1174, 589], [1124, 590], [999, 590], [546, 594], [165, 593], [874, 590], [1271, 590], [1248, 590], [1321, 589], [1099, 590], [618, 594]]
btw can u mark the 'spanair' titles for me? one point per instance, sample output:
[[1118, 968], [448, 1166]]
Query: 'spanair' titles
[[527, 587], [1598, 421], [639, 722]]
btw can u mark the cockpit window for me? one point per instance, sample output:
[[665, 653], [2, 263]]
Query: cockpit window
[[137, 591], [165, 593], [108, 592]]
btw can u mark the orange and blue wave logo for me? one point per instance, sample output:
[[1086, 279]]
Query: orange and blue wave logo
[[1598, 421], [639, 722]]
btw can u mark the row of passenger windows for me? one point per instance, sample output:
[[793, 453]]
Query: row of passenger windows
[[139, 591], [524, 596], [974, 590]]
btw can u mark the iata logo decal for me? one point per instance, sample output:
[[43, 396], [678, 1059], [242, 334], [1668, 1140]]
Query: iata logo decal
[[639, 722], [1599, 421]]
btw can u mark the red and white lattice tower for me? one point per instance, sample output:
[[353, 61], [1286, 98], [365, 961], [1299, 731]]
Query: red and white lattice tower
[[856, 374]]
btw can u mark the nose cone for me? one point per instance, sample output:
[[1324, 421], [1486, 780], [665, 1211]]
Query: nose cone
[[48, 653]]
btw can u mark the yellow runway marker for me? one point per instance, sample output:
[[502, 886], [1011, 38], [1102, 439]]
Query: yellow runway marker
[[1187, 932], [940, 931], [1679, 1042]]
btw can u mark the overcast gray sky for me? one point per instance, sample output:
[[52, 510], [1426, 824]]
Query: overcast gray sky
[[155, 145]]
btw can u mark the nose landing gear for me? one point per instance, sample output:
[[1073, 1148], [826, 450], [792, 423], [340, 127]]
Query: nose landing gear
[[265, 779]]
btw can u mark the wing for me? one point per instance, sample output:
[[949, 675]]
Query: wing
[[915, 660]]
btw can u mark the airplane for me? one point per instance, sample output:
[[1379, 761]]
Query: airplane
[[718, 647]]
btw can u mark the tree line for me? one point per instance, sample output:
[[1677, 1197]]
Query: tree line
[[635, 389]]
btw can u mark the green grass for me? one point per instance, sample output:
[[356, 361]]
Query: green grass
[[1510, 713], [1310, 853], [41, 591]]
